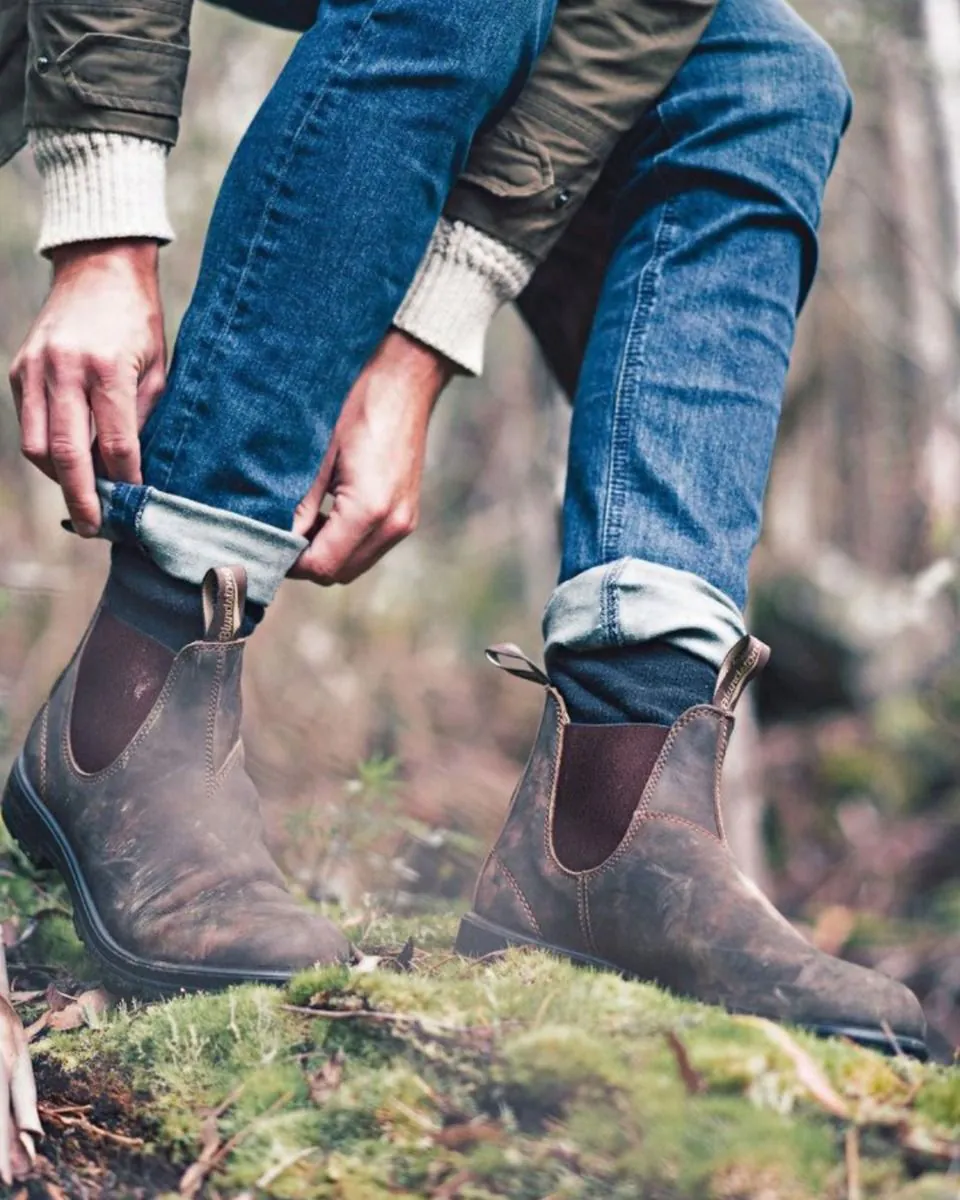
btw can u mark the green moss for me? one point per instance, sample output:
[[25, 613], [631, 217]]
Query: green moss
[[526, 1077]]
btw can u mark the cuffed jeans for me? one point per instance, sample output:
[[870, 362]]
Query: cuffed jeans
[[321, 222], [318, 230]]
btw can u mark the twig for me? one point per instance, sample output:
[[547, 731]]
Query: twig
[[291, 1160], [693, 1081], [852, 1154], [199, 1172], [61, 1117], [809, 1073], [892, 1039]]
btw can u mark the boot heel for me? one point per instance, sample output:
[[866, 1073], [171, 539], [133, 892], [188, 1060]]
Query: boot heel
[[21, 822]]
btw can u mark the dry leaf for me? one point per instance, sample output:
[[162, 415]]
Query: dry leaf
[[366, 964], [87, 1009], [925, 1142], [833, 929], [454, 1186], [25, 997], [325, 1081], [19, 1119], [56, 1000], [465, 1134], [404, 959], [808, 1072]]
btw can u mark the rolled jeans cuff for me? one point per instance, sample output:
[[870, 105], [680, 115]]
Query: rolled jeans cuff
[[628, 602], [185, 538]]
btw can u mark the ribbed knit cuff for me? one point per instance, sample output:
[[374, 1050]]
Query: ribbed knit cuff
[[465, 277], [100, 185]]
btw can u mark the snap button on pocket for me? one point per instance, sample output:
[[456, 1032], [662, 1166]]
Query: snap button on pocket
[[43, 64], [562, 198]]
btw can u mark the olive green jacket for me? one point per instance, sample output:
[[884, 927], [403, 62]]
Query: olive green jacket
[[119, 66]]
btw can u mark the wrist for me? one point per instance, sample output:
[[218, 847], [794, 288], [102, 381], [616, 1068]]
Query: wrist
[[426, 369], [139, 255]]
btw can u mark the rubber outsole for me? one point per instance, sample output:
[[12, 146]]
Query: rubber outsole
[[41, 839], [480, 938]]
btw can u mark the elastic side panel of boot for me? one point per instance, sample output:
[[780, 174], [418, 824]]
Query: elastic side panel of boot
[[603, 772], [121, 673]]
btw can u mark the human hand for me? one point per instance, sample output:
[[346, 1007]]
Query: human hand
[[96, 350], [374, 465]]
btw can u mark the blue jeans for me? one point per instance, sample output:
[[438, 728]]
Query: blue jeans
[[319, 227], [718, 201], [719, 191]]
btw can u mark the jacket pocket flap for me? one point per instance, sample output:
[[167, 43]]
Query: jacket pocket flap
[[110, 70], [507, 163]]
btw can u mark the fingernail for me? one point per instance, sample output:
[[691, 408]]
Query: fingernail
[[85, 529]]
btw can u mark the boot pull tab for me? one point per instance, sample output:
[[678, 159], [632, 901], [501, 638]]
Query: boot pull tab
[[503, 655], [744, 662], [224, 598]]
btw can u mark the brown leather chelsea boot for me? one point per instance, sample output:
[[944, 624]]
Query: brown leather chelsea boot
[[614, 855], [142, 803]]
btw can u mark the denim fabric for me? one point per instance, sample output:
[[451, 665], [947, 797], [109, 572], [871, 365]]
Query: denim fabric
[[631, 601], [318, 230], [719, 194], [185, 539], [321, 223]]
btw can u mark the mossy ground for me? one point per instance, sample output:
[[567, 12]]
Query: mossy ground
[[524, 1077]]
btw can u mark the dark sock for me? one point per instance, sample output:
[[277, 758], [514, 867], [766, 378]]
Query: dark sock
[[651, 683], [140, 594], [166, 609]]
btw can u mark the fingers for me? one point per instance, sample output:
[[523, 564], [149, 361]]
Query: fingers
[[30, 399], [70, 450], [149, 390], [355, 536], [113, 399]]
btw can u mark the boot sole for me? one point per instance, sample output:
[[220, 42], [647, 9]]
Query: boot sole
[[45, 844], [479, 938]]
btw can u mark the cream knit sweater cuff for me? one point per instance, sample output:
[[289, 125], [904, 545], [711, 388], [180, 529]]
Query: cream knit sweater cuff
[[109, 185], [100, 185], [464, 278]]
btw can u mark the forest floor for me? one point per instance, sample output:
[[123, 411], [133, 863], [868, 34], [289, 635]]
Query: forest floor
[[419, 1074]]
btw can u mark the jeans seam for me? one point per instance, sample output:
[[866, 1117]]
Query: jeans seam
[[632, 358], [138, 515], [610, 604], [256, 241]]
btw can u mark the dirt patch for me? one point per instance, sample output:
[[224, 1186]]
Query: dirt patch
[[98, 1145]]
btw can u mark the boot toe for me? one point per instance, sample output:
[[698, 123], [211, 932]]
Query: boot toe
[[287, 939], [865, 1005]]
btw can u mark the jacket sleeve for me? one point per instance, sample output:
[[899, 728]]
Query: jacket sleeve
[[104, 91], [606, 62], [108, 66]]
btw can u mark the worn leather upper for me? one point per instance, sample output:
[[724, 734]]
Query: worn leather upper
[[670, 904], [120, 67], [169, 834]]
